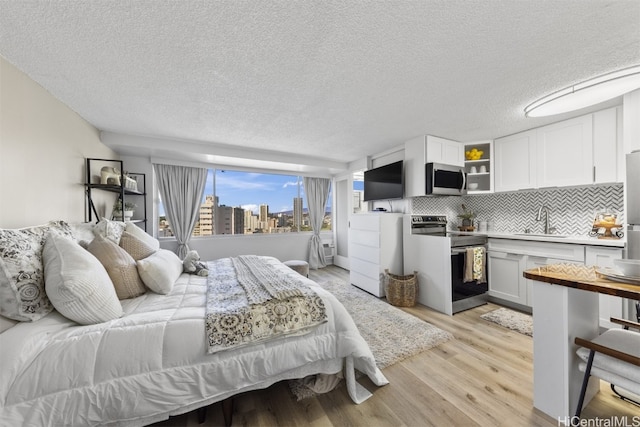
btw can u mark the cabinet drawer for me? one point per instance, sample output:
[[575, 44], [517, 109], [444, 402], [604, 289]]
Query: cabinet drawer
[[561, 251], [368, 284], [365, 268], [365, 253], [365, 238], [365, 222]]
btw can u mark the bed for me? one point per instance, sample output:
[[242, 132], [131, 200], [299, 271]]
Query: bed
[[153, 362]]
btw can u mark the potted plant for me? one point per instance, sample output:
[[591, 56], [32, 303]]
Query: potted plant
[[129, 207], [467, 217]]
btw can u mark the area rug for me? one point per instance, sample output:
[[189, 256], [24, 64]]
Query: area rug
[[514, 320], [392, 334]]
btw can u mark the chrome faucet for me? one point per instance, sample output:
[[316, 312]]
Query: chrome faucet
[[546, 218]]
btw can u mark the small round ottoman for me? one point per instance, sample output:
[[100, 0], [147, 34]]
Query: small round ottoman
[[300, 266]]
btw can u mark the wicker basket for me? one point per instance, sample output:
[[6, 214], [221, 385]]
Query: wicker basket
[[401, 290]]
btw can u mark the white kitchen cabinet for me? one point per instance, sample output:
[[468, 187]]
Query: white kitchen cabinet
[[581, 151], [375, 244], [607, 146], [480, 171], [505, 276], [515, 162], [425, 149], [610, 306], [508, 259], [565, 153]]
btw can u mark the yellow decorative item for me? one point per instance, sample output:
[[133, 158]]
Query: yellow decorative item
[[473, 154]]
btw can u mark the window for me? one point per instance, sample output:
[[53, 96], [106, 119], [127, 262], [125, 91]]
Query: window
[[236, 202]]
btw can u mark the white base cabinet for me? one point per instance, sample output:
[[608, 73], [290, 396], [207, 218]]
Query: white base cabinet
[[507, 260], [610, 306], [375, 244]]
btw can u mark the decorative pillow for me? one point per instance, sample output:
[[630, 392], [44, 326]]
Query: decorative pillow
[[22, 293], [111, 230], [135, 247], [160, 271], [77, 284], [120, 266], [82, 231], [142, 235]]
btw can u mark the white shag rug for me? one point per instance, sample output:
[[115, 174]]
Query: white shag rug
[[392, 334], [511, 319]]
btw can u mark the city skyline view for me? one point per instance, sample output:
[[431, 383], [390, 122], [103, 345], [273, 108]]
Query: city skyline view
[[249, 190], [236, 202]]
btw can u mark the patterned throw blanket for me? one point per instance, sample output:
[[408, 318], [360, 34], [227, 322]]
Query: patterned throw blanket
[[248, 300]]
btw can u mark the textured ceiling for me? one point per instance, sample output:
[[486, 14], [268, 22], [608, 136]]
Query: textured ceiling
[[333, 80]]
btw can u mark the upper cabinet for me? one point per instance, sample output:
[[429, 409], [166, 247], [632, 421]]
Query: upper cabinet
[[608, 154], [425, 149], [565, 153], [479, 171], [515, 161], [580, 151]]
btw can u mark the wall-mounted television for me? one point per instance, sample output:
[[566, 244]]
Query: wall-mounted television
[[384, 182]]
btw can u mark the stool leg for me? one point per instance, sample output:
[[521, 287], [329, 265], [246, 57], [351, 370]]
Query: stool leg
[[585, 381]]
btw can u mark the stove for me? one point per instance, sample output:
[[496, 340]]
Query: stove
[[428, 248], [436, 225]]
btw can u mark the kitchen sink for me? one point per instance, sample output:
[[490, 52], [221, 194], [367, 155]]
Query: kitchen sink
[[562, 236]]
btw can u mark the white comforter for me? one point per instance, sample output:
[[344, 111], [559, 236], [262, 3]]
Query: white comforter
[[152, 362]]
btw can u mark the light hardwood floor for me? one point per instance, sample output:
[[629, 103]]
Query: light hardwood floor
[[484, 377]]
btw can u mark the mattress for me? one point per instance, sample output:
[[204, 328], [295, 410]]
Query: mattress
[[152, 362]]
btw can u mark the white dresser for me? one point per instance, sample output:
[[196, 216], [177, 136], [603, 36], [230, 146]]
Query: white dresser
[[375, 243]]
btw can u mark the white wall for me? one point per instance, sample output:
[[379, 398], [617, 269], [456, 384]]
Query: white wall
[[283, 246], [43, 145]]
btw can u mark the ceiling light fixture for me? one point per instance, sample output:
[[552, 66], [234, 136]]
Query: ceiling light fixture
[[587, 93]]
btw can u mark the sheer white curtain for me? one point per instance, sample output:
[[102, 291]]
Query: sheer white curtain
[[317, 191], [181, 189]]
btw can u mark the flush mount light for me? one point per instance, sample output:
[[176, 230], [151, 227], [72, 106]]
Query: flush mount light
[[587, 93]]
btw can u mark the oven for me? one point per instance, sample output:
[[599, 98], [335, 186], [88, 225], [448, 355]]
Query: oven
[[442, 260]]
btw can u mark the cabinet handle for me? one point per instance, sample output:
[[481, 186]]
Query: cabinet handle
[[594, 174]]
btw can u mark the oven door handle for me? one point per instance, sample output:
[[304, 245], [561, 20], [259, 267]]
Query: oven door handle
[[458, 251]]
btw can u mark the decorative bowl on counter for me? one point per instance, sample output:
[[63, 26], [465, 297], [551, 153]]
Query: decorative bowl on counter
[[628, 267]]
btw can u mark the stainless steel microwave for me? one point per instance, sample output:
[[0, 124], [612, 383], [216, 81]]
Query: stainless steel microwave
[[445, 179]]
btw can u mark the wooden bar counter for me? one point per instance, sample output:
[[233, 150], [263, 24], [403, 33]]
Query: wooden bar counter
[[565, 305]]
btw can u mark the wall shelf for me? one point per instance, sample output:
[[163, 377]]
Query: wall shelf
[[122, 191]]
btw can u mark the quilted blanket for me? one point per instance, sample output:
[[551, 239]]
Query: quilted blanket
[[153, 362], [248, 301]]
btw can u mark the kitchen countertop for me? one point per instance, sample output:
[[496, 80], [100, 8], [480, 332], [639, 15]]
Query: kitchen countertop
[[573, 239], [581, 277]]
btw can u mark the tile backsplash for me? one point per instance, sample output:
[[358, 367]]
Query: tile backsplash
[[571, 210]]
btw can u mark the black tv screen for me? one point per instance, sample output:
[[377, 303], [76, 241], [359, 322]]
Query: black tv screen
[[384, 182]]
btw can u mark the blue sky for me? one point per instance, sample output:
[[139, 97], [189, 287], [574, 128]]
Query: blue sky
[[249, 190]]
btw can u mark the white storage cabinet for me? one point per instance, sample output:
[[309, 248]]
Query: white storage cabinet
[[507, 259], [426, 149], [375, 244]]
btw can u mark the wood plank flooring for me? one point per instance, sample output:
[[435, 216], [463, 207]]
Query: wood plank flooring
[[484, 377]]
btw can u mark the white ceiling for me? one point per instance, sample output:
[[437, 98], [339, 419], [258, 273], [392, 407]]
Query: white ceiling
[[330, 81]]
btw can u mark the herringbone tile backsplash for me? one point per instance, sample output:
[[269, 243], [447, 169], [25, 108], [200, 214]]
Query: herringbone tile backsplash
[[571, 210]]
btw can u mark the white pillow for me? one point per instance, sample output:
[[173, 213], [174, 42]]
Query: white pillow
[[108, 229], [22, 292], [138, 232], [160, 270], [77, 284]]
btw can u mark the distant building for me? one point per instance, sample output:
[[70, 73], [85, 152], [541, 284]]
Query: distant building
[[206, 223], [297, 213]]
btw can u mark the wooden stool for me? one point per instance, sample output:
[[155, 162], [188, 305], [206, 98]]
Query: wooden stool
[[300, 266]]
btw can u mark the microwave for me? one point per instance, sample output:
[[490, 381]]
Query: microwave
[[444, 179]]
